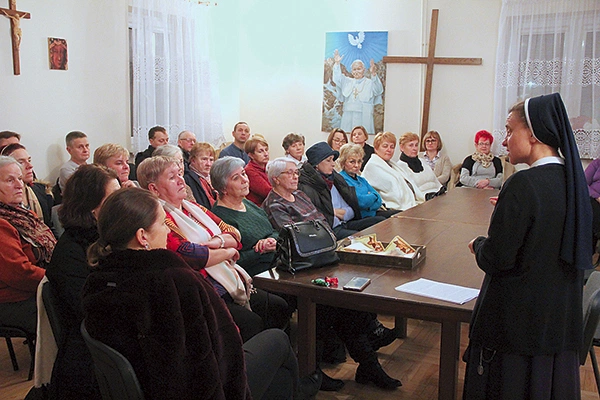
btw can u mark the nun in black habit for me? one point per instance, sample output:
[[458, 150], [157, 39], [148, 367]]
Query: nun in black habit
[[526, 327]]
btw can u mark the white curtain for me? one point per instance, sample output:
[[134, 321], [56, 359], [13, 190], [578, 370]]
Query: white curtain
[[173, 84], [547, 46]]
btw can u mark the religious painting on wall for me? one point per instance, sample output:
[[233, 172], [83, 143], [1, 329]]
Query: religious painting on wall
[[354, 81], [57, 53]]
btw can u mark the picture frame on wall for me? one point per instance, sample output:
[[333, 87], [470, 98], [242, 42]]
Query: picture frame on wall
[[58, 54]]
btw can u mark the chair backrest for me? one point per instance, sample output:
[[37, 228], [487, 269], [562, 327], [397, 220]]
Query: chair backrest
[[51, 305], [116, 377], [591, 317], [592, 284], [454, 175]]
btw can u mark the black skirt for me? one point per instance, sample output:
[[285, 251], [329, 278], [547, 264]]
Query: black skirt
[[493, 375]]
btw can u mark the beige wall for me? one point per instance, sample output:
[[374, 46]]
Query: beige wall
[[270, 59], [92, 96]]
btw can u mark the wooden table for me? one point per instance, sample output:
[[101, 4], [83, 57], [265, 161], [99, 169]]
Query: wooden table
[[447, 260]]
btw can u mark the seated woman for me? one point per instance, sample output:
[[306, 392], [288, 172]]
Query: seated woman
[[293, 145], [337, 138], [360, 136], [369, 201], [397, 189], [204, 241], [330, 193], [258, 239], [197, 176], [176, 153], [73, 373], [36, 197], [360, 331], [482, 170], [27, 245], [439, 162], [592, 177], [258, 151], [420, 172], [115, 157], [167, 320]]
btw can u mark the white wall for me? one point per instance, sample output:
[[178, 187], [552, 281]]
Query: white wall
[[281, 52], [43, 105], [270, 59]]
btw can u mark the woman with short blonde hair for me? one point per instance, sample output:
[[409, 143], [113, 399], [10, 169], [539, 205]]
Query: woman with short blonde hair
[[397, 189], [197, 176], [115, 157]]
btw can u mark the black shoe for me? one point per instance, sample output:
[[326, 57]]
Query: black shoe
[[382, 336], [329, 384], [309, 385], [366, 373]]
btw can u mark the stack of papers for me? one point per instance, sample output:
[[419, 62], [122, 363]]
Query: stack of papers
[[441, 291]]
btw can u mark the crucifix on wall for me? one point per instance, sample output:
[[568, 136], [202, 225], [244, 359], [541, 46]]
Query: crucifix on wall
[[430, 61], [15, 31]]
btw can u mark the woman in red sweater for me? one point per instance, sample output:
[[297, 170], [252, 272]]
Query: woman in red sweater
[[258, 151], [27, 247]]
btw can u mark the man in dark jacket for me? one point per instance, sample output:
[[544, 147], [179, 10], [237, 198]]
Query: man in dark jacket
[[330, 193]]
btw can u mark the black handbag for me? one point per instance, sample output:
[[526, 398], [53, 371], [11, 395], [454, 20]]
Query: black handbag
[[303, 245]]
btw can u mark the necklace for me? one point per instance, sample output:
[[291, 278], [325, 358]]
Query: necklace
[[355, 91]]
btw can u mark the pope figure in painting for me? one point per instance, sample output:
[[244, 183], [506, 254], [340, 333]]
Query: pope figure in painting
[[526, 327], [358, 93]]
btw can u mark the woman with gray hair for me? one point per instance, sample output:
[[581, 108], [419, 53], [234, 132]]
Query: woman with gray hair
[[175, 152], [369, 200]]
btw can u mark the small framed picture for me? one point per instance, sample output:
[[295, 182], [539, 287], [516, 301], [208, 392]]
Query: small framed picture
[[57, 54]]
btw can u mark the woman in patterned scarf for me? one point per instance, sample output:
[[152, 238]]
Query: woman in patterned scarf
[[482, 170], [27, 247]]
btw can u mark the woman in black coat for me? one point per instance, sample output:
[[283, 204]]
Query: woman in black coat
[[73, 373]]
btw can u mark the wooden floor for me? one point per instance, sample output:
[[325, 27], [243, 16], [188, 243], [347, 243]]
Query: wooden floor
[[413, 360]]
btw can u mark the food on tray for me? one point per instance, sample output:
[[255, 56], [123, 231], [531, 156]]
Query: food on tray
[[398, 243], [370, 245], [370, 241]]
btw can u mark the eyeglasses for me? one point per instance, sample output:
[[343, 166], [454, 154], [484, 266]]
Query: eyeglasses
[[291, 172], [430, 140], [484, 144], [339, 141]]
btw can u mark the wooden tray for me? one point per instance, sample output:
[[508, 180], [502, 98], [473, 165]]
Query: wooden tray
[[382, 260]]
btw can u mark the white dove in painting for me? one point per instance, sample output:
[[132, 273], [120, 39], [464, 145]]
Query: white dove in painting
[[357, 41]]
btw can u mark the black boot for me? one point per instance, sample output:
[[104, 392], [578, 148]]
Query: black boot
[[373, 372]]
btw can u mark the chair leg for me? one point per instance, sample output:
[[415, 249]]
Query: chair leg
[[31, 344], [595, 367], [11, 351]]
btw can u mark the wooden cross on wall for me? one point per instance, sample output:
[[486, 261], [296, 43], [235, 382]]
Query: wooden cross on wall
[[15, 31], [430, 60]]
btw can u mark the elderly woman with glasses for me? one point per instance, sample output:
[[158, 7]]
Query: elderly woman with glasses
[[360, 331], [482, 170], [197, 176], [439, 162]]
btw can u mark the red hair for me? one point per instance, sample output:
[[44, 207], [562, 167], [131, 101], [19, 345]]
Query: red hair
[[483, 134]]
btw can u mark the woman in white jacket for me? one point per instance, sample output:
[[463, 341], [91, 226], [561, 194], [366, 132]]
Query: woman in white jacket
[[397, 189]]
